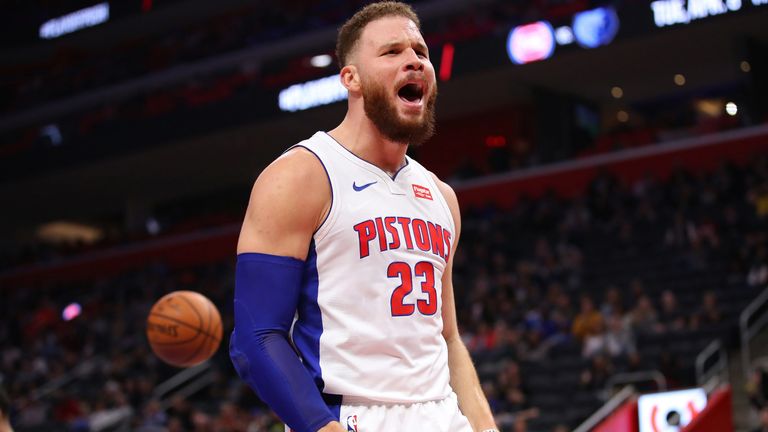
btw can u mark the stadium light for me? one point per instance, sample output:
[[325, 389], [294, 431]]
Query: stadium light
[[564, 35], [596, 27], [321, 61], [71, 312], [75, 21], [310, 94], [531, 42]]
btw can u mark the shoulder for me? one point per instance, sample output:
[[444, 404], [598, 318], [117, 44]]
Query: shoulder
[[296, 178], [297, 165], [450, 198], [288, 202]]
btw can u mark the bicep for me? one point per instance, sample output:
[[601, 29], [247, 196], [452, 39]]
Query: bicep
[[286, 205]]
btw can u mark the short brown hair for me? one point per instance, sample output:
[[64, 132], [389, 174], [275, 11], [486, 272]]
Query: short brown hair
[[350, 32]]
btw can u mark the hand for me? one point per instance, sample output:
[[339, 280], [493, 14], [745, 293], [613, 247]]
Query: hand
[[333, 426]]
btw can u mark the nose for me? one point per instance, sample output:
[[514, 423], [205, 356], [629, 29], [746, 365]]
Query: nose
[[413, 62]]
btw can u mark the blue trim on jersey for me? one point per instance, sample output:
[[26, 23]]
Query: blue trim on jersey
[[309, 326], [393, 177], [330, 184]]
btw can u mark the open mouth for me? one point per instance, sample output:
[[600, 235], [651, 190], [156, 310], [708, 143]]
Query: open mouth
[[411, 93]]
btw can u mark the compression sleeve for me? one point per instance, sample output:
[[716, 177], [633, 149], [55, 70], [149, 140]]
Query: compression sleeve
[[266, 297]]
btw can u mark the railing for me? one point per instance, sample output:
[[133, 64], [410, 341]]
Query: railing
[[707, 370], [83, 370], [114, 419], [622, 396], [184, 384], [610, 406], [636, 378], [749, 328]]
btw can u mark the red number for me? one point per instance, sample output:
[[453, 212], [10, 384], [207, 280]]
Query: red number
[[429, 306], [403, 271]]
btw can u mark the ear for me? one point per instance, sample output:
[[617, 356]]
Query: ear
[[350, 78]]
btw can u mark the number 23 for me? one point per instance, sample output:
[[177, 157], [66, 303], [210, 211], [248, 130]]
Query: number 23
[[403, 271]]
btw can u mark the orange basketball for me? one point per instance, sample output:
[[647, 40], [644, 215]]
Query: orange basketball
[[184, 328]]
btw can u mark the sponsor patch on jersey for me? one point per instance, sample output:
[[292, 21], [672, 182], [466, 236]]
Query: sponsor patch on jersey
[[422, 192]]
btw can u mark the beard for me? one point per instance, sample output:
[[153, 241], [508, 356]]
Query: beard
[[383, 113]]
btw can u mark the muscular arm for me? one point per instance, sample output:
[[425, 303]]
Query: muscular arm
[[464, 381], [287, 204]]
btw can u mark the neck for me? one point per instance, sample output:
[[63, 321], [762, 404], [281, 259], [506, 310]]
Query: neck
[[360, 136]]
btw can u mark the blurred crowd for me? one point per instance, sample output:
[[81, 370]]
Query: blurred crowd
[[533, 282]]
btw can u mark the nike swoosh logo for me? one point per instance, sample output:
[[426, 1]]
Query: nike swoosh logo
[[359, 188]]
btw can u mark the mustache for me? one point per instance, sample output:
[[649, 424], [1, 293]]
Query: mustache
[[414, 76]]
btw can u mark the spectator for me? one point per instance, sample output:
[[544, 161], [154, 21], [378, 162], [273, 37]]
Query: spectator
[[759, 199], [669, 366], [596, 376], [757, 388], [709, 313], [595, 343], [615, 341], [763, 416], [229, 419], [682, 232], [643, 318], [154, 418], [612, 304], [510, 378], [588, 322], [670, 317]]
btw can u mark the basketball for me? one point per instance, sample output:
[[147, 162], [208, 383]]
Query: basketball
[[184, 328]]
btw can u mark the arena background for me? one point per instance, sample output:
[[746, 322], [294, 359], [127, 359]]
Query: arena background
[[613, 180]]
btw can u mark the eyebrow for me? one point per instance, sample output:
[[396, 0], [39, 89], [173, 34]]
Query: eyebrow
[[394, 44]]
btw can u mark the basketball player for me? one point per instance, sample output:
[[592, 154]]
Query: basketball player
[[356, 240]]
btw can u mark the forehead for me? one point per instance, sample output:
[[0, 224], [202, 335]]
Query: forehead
[[389, 29]]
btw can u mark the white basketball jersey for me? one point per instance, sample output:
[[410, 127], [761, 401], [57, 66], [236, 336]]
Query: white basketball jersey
[[369, 319]]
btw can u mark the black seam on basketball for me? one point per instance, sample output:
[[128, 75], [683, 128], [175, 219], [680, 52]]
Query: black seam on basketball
[[194, 309], [201, 346], [186, 361], [176, 320], [177, 342]]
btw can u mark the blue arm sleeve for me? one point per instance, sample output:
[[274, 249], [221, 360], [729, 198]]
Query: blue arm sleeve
[[266, 296]]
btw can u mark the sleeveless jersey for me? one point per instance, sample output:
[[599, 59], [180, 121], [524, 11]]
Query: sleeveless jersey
[[369, 321]]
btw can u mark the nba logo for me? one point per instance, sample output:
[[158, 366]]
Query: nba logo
[[352, 423]]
